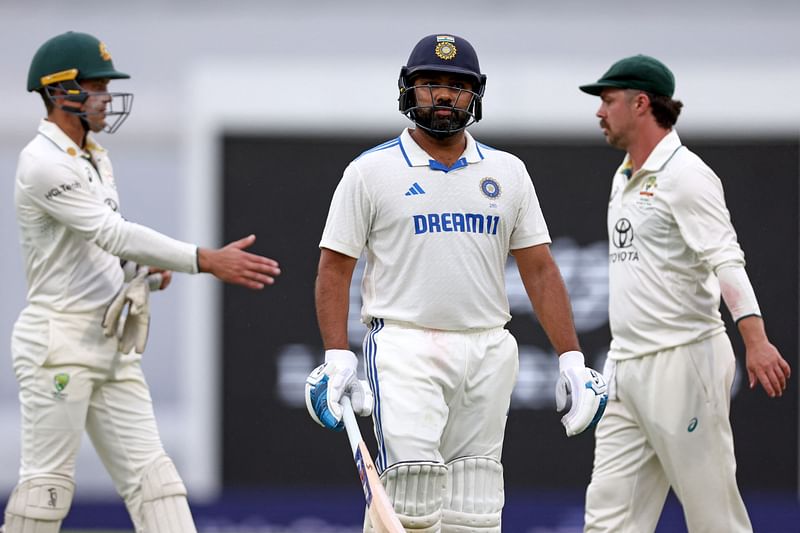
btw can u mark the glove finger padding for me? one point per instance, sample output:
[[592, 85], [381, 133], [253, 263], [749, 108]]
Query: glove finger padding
[[582, 392], [114, 312], [317, 393], [135, 333], [326, 385], [137, 323], [361, 398]]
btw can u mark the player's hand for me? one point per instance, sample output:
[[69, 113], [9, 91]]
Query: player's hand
[[581, 392], [333, 379], [158, 279], [232, 264], [765, 365]]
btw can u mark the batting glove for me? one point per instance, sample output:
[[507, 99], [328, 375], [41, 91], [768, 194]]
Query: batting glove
[[581, 392], [131, 329], [137, 322], [326, 385]]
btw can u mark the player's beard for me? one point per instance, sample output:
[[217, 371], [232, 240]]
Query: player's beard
[[441, 126]]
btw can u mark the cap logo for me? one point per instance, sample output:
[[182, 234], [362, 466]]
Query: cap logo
[[445, 47], [104, 53]]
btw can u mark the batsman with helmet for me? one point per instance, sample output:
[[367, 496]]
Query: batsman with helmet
[[77, 345], [437, 213]]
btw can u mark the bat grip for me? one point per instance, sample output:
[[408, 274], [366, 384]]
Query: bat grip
[[350, 423]]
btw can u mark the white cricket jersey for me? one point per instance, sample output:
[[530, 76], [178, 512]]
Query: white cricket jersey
[[669, 230], [71, 232], [436, 239]]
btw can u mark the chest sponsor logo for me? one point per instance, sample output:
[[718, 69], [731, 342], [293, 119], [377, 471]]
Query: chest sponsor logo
[[622, 238], [455, 222]]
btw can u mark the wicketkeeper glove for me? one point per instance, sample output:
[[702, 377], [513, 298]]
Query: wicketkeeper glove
[[333, 379], [581, 391], [131, 329]]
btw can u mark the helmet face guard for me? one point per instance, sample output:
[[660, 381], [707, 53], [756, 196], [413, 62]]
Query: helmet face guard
[[116, 110], [442, 54], [65, 60], [458, 118]]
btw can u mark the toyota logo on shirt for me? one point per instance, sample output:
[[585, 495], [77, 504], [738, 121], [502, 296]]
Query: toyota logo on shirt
[[623, 233]]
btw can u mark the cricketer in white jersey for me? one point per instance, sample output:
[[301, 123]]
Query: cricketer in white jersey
[[672, 253], [436, 215], [436, 239], [76, 354]]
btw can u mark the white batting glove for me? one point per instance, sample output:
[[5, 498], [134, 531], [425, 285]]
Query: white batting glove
[[137, 322], [326, 385], [131, 329], [581, 391]]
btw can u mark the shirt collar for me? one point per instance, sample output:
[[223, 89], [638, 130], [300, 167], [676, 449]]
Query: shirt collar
[[56, 135], [417, 157], [659, 157]]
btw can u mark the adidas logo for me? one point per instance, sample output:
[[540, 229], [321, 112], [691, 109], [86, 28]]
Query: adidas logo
[[415, 189]]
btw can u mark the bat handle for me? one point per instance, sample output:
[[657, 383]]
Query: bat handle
[[350, 423]]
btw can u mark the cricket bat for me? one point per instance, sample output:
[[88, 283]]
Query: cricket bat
[[379, 507]]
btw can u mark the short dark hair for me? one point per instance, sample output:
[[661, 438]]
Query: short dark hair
[[48, 104], [665, 109]]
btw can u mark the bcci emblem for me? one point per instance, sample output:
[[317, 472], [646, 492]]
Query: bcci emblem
[[445, 47], [490, 188], [60, 382]]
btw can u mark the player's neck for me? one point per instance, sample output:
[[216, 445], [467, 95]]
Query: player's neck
[[644, 144], [446, 151], [70, 125]]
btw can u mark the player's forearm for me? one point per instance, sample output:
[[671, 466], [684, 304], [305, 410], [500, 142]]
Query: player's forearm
[[332, 296], [551, 303], [548, 295], [751, 328]]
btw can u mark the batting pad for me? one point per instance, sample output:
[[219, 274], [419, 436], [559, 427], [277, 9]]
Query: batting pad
[[164, 505], [416, 490], [474, 497], [39, 505]]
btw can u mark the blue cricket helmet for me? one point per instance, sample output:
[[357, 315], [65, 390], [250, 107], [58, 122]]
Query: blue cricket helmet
[[442, 53]]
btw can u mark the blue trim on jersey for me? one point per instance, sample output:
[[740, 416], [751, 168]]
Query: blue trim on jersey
[[370, 353], [435, 165], [383, 146], [403, 150], [481, 145]]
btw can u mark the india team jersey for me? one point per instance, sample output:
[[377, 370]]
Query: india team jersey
[[436, 239], [669, 230], [71, 232]]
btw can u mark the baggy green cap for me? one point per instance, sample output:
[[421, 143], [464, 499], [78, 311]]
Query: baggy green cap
[[640, 72], [71, 56]]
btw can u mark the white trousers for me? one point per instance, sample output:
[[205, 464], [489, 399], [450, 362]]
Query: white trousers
[[439, 395], [668, 426], [72, 378]]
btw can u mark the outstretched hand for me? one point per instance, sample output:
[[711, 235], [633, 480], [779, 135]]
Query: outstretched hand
[[232, 264]]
